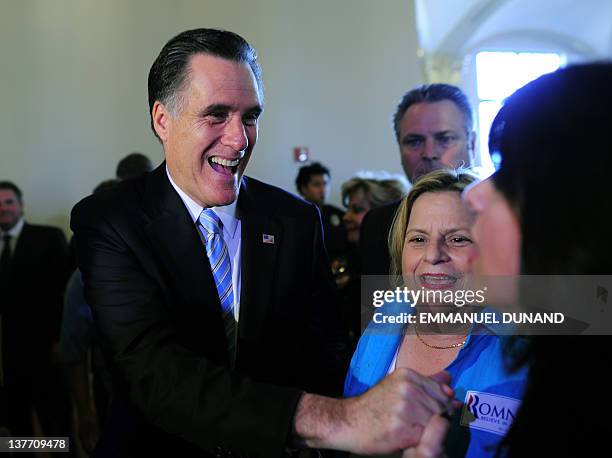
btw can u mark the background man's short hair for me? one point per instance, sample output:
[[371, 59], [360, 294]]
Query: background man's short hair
[[133, 165], [169, 73], [13, 187], [307, 171], [431, 93]]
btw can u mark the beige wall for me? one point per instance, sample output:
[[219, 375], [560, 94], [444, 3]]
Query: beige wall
[[74, 74]]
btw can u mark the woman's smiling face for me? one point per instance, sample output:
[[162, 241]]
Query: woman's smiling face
[[438, 245]]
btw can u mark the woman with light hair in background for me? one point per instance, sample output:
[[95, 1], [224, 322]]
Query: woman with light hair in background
[[366, 191], [363, 192]]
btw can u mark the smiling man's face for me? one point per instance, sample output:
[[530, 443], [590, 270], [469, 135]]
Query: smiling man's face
[[208, 143], [11, 209]]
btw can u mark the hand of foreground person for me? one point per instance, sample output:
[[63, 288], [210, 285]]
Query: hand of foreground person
[[431, 444]]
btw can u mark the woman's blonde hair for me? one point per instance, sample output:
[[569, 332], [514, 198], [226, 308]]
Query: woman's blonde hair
[[379, 191], [437, 181]]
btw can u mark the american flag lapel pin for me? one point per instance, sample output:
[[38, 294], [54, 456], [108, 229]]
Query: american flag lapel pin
[[268, 238]]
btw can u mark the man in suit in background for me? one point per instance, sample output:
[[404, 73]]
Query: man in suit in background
[[33, 273], [312, 182], [433, 126], [211, 291], [133, 165]]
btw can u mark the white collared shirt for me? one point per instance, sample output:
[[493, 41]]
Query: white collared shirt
[[15, 232], [232, 235]]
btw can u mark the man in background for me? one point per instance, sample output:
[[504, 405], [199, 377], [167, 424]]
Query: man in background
[[313, 182], [33, 273], [133, 165], [433, 126]]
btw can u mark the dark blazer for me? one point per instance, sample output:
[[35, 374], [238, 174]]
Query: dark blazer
[[157, 311], [31, 302], [335, 233], [373, 239]]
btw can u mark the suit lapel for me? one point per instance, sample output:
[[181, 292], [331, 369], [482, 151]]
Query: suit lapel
[[174, 237], [258, 259]]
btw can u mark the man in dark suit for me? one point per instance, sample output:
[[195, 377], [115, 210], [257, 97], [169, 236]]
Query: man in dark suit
[[211, 291], [433, 127], [33, 271], [312, 182]]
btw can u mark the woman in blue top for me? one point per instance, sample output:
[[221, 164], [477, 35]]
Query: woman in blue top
[[431, 248]]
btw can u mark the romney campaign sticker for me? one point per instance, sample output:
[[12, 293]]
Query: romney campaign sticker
[[489, 412]]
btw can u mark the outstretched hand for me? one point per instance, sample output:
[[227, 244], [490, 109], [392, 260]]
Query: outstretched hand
[[397, 412]]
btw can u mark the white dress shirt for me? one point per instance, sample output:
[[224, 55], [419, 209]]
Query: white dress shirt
[[232, 235]]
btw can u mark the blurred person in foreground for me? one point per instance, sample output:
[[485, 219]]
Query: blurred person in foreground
[[544, 212]]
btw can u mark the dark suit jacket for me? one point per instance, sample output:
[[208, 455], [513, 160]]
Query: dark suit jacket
[[335, 233], [156, 308], [373, 239], [31, 303]]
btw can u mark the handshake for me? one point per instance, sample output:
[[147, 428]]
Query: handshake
[[406, 411]]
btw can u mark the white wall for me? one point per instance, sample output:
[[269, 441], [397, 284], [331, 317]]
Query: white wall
[[74, 93]]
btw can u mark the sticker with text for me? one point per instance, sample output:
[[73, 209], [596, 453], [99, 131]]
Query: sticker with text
[[489, 412]]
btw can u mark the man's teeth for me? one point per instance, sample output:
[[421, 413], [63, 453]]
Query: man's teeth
[[225, 162]]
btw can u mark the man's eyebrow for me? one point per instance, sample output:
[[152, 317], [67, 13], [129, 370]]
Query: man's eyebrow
[[412, 136], [216, 108], [255, 110]]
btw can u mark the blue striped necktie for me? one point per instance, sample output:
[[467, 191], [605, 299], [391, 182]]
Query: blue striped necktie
[[218, 256]]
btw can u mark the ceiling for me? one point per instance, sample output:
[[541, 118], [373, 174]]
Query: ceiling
[[580, 28]]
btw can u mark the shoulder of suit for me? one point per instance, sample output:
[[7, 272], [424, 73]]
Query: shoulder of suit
[[275, 200], [124, 198], [41, 229]]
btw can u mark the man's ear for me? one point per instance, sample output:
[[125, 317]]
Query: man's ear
[[161, 118]]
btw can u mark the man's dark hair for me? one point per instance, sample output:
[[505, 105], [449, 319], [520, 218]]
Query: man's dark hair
[[431, 93], [13, 187], [307, 171], [170, 71], [133, 165]]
